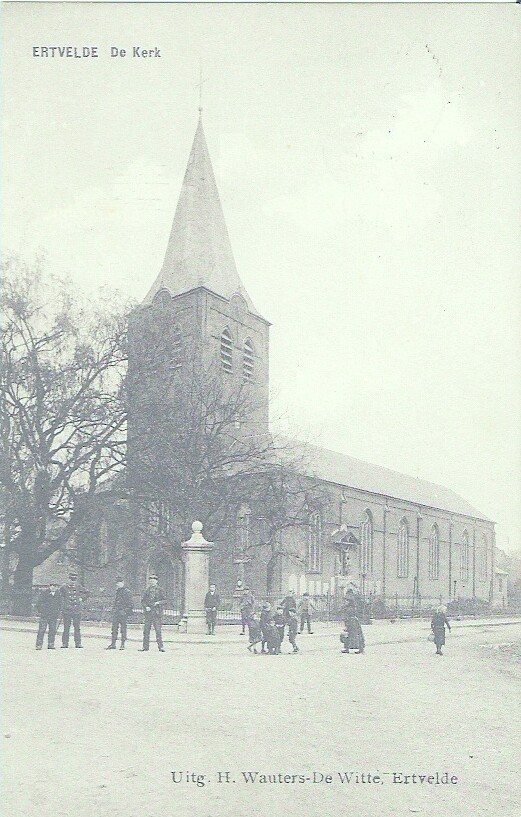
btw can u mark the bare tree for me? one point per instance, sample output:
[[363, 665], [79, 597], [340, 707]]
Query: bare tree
[[189, 441], [195, 450], [62, 414]]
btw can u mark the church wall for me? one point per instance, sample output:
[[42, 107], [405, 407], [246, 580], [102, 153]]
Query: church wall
[[347, 508]]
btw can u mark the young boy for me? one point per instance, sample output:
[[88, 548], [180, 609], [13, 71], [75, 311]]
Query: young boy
[[271, 634], [293, 629], [254, 631], [280, 622], [265, 620]]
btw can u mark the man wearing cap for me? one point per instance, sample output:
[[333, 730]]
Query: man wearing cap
[[49, 608], [153, 601], [121, 610], [73, 595]]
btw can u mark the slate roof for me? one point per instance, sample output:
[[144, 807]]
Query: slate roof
[[350, 472], [199, 252]]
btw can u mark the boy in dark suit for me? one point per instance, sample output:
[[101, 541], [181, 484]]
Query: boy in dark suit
[[122, 609], [293, 629], [254, 632]]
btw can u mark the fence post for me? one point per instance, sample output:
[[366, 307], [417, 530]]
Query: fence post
[[396, 605]]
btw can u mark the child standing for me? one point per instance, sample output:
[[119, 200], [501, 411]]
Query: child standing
[[265, 620], [280, 622], [254, 631], [293, 629]]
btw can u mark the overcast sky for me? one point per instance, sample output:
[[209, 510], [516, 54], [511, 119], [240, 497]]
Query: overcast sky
[[368, 161]]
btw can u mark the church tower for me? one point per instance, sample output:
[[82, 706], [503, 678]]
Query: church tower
[[197, 321]]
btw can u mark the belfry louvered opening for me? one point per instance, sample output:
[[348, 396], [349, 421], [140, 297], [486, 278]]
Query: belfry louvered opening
[[247, 361], [226, 351]]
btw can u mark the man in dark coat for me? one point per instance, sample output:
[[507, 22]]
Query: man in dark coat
[[122, 609], [212, 602], [438, 624], [49, 608], [73, 596], [153, 601], [247, 607], [307, 608]]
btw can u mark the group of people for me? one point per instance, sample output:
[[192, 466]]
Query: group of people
[[266, 627], [66, 602], [61, 602]]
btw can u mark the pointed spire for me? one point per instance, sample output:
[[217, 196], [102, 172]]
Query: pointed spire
[[199, 253]]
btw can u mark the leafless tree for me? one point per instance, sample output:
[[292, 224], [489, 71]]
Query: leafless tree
[[79, 428], [197, 453], [62, 414]]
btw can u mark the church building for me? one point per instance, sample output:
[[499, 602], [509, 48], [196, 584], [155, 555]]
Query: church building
[[390, 535]]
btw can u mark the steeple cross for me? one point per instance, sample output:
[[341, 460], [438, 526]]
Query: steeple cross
[[200, 86]]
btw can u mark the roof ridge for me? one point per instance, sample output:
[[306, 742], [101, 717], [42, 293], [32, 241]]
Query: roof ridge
[[379, 479]]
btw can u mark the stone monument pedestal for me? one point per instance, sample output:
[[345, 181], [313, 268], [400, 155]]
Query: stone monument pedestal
[[196, 554]]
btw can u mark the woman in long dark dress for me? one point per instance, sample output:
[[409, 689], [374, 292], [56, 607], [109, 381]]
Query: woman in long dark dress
[[438, 624], [353, 638]]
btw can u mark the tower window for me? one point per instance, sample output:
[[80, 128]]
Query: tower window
[[247, 360], [226, 351]]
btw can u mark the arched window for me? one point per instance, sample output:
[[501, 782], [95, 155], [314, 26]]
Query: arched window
[[247, 360], [483, 561], [176, 357], [464, 563], [226, 351], [434, 553], [162, 298], [366, 544], [403, 550], [314, 543]]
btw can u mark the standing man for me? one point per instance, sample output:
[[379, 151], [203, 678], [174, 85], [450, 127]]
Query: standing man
[[49, 608], [247, 607], [153, 601], [73, 596], [122, 609], [307, 608], [211, 605]]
